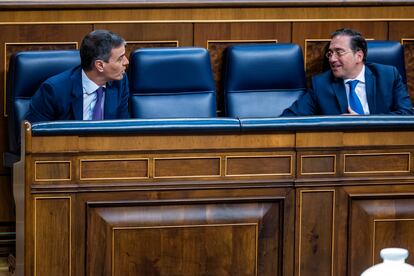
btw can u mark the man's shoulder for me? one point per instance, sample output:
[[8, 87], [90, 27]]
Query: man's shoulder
[[64, 77], [322, 77], [377, 68]]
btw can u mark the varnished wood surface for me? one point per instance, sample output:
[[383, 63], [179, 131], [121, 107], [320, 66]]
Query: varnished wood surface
[[36, 25], [230, 204], [197, 14], [29, 4]]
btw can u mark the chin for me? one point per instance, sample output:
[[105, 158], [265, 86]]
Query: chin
[[337, 74], [120, 77]]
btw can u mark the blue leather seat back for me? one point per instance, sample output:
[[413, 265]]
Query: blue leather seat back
[[27, 71], [263, 80], [387, 52], [171, 83]]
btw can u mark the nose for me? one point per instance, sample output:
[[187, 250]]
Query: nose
[[126, 61], [333, 58]]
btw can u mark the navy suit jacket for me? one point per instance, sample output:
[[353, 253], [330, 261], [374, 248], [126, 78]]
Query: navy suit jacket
[[61, 98], [386, 94]]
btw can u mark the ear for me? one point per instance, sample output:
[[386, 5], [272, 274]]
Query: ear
[[99, 65], [360, 56]]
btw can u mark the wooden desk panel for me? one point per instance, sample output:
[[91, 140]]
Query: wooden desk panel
[[231, 204]]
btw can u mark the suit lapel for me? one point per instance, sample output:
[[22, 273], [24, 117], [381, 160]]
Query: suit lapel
[[110, 100], [339, 89], [370, 90], [77, 94]]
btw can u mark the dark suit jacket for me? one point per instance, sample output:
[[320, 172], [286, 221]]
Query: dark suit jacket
[[61, 98], [386, 94]]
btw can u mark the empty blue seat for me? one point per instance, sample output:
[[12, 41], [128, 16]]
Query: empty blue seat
[[171, 83], [262, 80], [387, 52], [27, 71]]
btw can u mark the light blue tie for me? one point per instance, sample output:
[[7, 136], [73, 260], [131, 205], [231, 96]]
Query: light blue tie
[[354, 102]]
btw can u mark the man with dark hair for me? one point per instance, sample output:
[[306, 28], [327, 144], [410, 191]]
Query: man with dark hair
[[96, 90], [353, 87]]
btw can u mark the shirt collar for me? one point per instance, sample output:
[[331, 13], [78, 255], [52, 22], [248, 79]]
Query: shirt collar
[[88, 85], [360, 77]]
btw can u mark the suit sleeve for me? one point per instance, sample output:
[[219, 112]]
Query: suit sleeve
[[304, 106], [124, 100], [401, 100], [43, 105]]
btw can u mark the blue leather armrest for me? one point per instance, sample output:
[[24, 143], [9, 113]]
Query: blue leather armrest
[[316, 123], [222, 125], [138, 126]]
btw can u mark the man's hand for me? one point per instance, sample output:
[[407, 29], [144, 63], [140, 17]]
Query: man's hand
[[350, 112]]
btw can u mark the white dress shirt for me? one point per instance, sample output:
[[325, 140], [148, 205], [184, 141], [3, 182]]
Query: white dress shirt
[[360, 90]]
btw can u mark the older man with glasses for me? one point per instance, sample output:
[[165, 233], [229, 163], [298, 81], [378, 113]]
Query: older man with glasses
[[352, 86]]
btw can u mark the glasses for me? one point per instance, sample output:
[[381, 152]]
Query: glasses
[[337, 53]]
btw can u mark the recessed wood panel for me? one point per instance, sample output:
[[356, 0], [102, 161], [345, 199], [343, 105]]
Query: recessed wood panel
[[315, 232], [52, 236], [408, 44], [186, 250], [113, 169], [318, 164], [258, 165], [376, 224], [135, 45], [404, 31], [190, 239], [52, 170], [187, 167], [166, 32], [317, 30], [315, 61], [392, 233], [376, 162]]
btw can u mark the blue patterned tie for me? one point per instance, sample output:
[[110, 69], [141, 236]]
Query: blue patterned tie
[[354, 102], [97, 113]]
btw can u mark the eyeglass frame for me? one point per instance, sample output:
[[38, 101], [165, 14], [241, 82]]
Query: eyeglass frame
[[339, 53]]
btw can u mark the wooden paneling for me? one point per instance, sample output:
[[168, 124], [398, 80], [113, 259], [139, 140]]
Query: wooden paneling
[[187, 167], [91, 13], [52, 238], [315, 224], [152, 35], [52, 171], [252, 222], [403, 31], [27, 28], [7, 217], [376, 224], [183, 250], [197, 239], [317, 164], [113, 169], [259, 165], [377, 163], [17, 38], [408, 44]]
